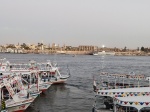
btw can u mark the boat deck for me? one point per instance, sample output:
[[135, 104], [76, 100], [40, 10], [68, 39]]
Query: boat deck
[[104, 110]]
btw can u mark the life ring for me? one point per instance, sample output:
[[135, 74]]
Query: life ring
[[44, 74]]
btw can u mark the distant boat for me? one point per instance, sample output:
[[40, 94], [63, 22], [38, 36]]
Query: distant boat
[[74, 55], [95, 54], [104, 53], [61, 52]]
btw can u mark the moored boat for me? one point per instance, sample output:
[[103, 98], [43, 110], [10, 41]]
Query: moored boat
[[18, 101], [104, 53], [50, 73]]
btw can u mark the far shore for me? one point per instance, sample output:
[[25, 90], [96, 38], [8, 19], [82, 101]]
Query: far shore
[[82, 53]]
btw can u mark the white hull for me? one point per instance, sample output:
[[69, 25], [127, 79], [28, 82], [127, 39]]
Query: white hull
[[59, 81], [95, 54], [18, 108], [61, 52], [104, 53], [42, 87], [12, 106]]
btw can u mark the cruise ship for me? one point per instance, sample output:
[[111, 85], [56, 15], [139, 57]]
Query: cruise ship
[[104, 53]]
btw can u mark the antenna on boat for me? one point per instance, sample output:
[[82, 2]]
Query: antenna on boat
[[68, 70]]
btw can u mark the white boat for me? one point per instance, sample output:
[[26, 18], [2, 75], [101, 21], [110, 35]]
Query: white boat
[[61, 52], [34, 82], [95, 54], [49, 73], [55, 78], [125, 96], [104, 53], [118, 85], [18, 101], [6, 66]]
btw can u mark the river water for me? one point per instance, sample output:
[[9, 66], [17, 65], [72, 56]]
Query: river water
[[76, 95]]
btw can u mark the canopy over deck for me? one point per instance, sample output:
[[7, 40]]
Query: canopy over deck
[[125, 92], [138, 102]]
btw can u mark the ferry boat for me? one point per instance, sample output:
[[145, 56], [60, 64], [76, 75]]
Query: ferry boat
[[104, 53]]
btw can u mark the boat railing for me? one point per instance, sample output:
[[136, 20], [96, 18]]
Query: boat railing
[[123, 77], [19, 68], [45, 69], [121, 87]]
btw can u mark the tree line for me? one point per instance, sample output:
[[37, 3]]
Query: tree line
[[144, 49]]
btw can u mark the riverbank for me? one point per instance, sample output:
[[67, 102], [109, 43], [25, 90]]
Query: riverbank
[[81, 53], [131, 54]]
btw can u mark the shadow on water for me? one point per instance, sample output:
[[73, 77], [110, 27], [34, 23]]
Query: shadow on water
[[50, 99], [61, 98]]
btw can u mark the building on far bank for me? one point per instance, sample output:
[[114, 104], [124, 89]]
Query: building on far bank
[[87, 48]]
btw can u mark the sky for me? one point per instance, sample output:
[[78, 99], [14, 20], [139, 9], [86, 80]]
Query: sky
[[113, 23]]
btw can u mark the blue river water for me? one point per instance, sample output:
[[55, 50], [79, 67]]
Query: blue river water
[[76, 95]]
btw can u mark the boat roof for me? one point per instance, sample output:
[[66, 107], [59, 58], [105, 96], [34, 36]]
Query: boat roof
[[141, 89], [135, 98], [124, 92], [138, 102]]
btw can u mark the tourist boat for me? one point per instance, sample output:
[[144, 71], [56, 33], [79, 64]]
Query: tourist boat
[[131, 75], [104, 53], [18, 101], [49, 73], [61, 52], [108, 95], [118, 90], [121, 85], [95, 54], [55, 78], [6, 66], [34, 89], [34, 82], [114, 81]]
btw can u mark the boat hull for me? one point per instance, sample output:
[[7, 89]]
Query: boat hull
[[59, 81], [18, 108], [44, 87]]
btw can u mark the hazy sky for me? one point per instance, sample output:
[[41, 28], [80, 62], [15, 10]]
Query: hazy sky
[[114, 23]]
